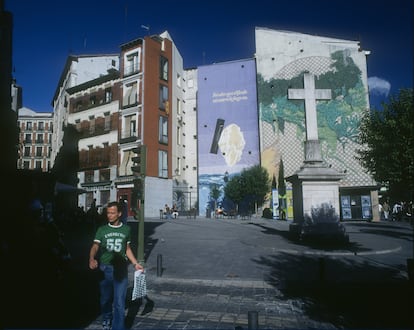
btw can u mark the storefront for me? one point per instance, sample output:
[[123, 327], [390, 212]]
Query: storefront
[[359, 203]]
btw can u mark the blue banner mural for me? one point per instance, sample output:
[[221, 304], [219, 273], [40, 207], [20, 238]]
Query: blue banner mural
[[228, 136]]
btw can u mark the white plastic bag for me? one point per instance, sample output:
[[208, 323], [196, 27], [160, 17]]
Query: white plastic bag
[[140, 285]]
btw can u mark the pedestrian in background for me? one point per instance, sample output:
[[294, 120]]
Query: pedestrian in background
[[174, 211], [167, 211], [113, 239], [386, 210]]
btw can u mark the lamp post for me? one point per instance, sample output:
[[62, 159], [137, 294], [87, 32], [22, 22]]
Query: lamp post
[[139, 168]]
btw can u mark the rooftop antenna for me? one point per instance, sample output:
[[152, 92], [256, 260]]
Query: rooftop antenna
[[146, 28]]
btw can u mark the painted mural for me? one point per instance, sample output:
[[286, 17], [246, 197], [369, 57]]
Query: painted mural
[[227, 128], [283, 120]]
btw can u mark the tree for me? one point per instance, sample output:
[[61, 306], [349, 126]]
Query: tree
[[282, 190], [249, 187], [388, 139], [215, 193], [233, 189]]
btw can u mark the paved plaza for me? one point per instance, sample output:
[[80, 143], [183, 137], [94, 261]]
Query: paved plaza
[[248, 274]]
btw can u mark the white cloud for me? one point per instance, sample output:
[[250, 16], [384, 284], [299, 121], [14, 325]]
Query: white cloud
[[378, 86]]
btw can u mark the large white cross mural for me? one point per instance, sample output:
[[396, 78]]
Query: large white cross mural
[[310, 95]]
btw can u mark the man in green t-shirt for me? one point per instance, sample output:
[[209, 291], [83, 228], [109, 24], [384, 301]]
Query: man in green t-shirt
[[113, 242]]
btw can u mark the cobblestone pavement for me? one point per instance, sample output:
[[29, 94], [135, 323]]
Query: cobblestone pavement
[[214, 304]]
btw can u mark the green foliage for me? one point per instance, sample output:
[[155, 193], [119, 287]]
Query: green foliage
[[281, 179], [215, 191], [233, 189], [251, 185], [274, 186], [388, 139]]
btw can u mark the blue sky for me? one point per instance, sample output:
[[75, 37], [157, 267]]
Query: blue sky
[[47, 31]]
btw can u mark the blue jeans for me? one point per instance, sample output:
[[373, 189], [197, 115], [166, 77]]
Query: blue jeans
[[113, 294]]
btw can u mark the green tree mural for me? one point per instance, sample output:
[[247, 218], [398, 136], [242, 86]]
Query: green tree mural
[[338, 118]]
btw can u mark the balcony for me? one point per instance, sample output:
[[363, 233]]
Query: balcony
[[130, 70], [128, 136]]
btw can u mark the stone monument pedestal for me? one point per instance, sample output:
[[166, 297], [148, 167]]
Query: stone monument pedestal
[[315, 188]]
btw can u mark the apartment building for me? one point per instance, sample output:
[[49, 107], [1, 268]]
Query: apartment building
[[77, 70], [93, 110], [36, 129], [152, 95], [115, 112]]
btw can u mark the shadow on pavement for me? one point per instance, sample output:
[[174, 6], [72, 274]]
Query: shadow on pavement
[[351, 246], [346, 293], [68, 302]]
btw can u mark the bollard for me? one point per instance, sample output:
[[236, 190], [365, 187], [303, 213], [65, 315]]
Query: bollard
[[253, 320], [159, 265], [321, 269]]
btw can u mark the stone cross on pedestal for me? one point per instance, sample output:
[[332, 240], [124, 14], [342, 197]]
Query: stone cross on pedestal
[[310, 95], [315, 186]]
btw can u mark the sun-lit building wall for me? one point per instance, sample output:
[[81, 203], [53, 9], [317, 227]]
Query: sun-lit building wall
[[338, 65]]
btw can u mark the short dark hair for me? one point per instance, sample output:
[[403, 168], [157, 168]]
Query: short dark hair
[[110, 204]]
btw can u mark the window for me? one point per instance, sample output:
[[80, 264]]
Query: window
[[91, 124], [130, 129], [39, 138], [107, 121], [38, 164], [105, 195], [108, 95], [41, 126], [163, 97], [29, 126], [26, 164], [132, 63], [92, 100], [163, 68], [178, 107], [163, 130], [130, 94], [89, 176], [26, 151], [126, 163], [28, 138], [104, 175], [39, 151], [162, 164]]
